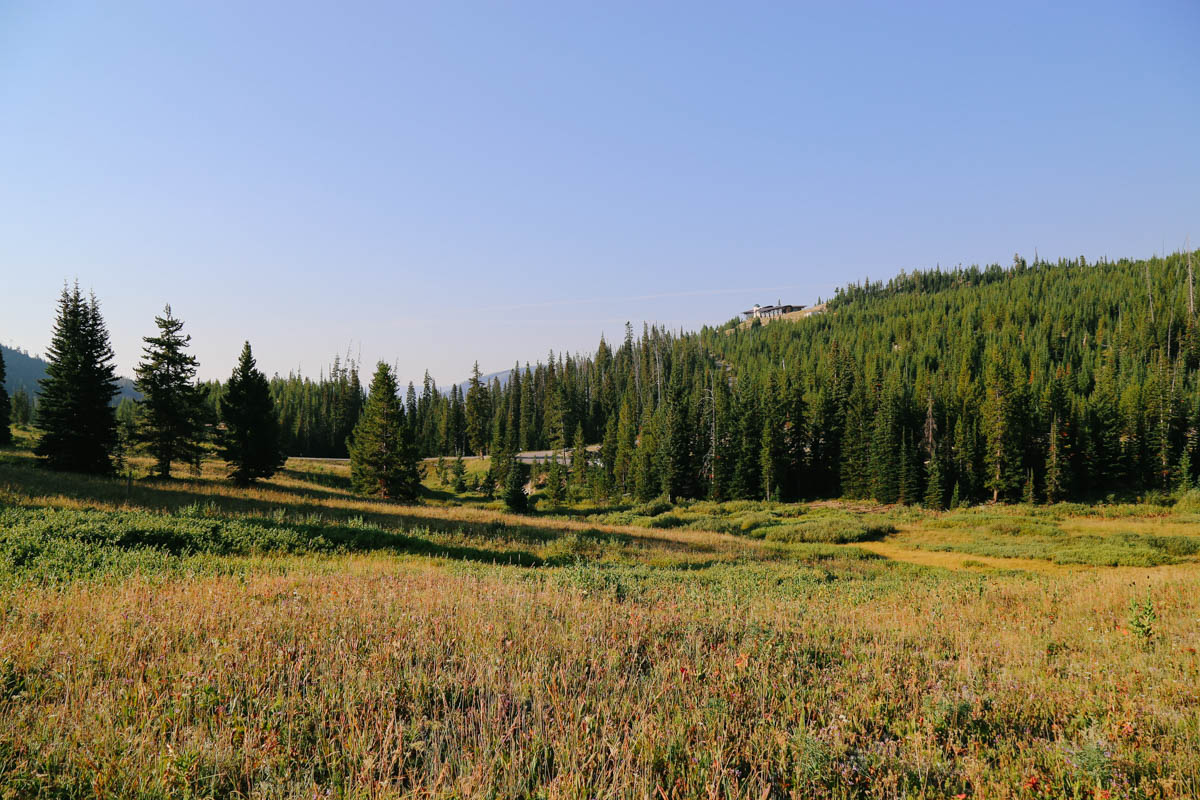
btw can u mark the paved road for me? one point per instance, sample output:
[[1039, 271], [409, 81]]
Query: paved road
[[525, 456]]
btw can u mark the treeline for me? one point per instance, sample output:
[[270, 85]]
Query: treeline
[[1042, 381], [316, 417], [178, 417]]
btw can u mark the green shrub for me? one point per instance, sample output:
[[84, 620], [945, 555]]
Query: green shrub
[[1189, 502], [831, 530], [659, 505]]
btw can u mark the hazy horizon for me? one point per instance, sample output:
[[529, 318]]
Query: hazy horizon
[[435, 186]]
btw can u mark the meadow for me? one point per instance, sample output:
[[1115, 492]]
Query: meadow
[[191, 639]]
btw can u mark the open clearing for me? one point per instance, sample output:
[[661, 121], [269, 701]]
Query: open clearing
[[187, 638]]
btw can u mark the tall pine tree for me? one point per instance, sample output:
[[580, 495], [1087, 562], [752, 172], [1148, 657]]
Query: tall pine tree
[[383, 456], [75, 411], [249, 440], [172, 407], [478, 413]]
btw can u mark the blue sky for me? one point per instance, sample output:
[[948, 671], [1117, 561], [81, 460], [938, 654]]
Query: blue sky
[[436, 183]]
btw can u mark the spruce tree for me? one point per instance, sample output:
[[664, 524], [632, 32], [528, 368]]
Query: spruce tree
[[935, 485], [1057, 480], [910, 472], [855, 469], [886, 454], [514, 487], [555, 489], [75, 411], [478, 413], [675, 450], [627, 434], [1027, 493], [722, 458], [646, 483], [172, 405], [458, 472], [1002, 455], [579, 459], [747, 473], [608, 450], [1183, 472], [5, 408], [796, 444], [249, 439], [383, 456], [22, 407], [771, 457]]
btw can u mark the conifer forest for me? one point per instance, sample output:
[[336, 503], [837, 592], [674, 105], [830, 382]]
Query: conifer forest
[[1057, 381]]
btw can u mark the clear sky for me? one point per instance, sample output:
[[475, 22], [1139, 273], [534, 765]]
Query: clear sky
[[435, 183]]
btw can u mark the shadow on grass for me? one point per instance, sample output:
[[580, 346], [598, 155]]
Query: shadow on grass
[[393, 528], [566, 512]]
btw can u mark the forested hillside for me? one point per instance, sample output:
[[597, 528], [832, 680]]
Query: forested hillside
[[1051, 380], [24, 372]]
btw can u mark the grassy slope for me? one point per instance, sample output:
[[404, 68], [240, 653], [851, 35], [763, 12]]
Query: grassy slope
[[291, 640]]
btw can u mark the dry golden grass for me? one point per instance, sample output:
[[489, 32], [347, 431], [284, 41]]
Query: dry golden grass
[[621, 662]]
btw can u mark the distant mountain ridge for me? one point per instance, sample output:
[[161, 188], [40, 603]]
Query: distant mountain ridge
[[24, 370], [486, 380]]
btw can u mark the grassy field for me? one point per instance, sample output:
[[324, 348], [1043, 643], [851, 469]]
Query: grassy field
[[189, 639]]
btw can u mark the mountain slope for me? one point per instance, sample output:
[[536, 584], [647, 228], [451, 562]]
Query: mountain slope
[[24, 370]]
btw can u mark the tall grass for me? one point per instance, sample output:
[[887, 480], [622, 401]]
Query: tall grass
[[187, 639]]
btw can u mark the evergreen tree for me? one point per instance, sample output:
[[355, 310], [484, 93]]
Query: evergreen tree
[[458, 472], [22, 407], [722, 435], [747, 473], [172, 406], [627, 434], [1183, 472], [5, 408], [608, 450], [1104, 460], [555, 489], [579, 459], [1027, 493], [478, 413], [910, 471], [646, 483], [1057, 480], [75, 412], [514, 487], [855, 468], [795, 442], [965, 458], [771, 448], [675, 451], [885, 447], [249, 439], [383, 456], [935, 486], [1002, 456]]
